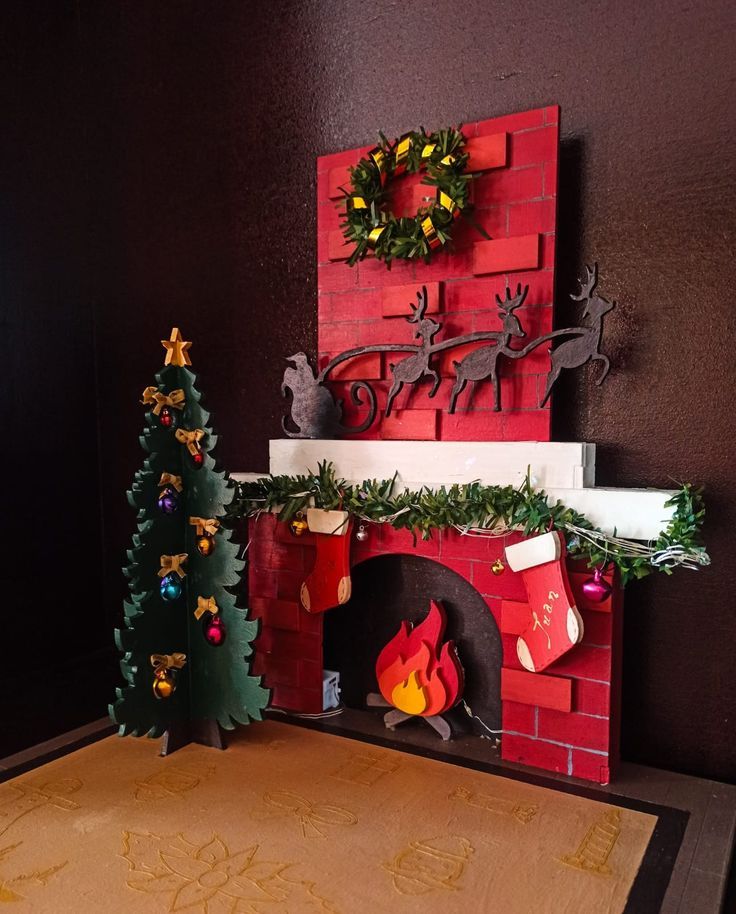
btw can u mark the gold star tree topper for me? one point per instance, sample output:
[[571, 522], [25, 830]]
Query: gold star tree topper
[[176, 349]]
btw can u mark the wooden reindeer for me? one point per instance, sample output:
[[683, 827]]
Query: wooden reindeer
[[411, 369], [481, 363], [584, 347]]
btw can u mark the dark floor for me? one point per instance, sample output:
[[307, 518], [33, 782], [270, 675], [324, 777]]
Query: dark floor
[[698, 884]]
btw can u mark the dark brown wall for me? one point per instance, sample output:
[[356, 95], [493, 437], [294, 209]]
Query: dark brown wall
[[173, 154]]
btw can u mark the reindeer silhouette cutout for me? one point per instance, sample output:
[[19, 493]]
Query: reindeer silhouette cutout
[[481, 363], [585, 346], [411, 369]]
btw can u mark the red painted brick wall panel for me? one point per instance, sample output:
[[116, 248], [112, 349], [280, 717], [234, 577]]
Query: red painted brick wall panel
[[581, 730], [396, 300], [590, 766], [537, 689], [519, 718], [529, 751], [514, 198]]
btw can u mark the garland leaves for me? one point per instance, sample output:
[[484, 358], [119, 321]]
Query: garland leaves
[[477, 509], [371, 227]]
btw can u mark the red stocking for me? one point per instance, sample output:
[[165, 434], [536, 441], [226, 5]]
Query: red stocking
[[328, 583], [556, 625]]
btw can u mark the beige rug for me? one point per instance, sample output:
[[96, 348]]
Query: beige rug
[[289, 820]]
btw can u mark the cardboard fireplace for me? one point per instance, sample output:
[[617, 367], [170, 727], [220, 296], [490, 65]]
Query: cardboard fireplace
[[441, 373]]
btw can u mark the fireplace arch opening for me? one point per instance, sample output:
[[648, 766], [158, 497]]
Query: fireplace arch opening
[[389, 589]]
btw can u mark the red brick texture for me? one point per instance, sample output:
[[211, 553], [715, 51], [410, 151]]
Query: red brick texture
[[515, 200], [565, 720]]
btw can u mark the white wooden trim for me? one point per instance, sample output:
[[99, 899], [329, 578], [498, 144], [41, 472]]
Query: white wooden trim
[[568, 465], [636, 514]]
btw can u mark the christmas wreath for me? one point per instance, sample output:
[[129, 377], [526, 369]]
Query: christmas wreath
[[370, 226]]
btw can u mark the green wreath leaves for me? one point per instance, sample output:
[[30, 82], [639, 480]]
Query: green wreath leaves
[[370, 226]]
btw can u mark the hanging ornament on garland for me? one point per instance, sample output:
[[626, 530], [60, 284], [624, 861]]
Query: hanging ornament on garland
[[597, 589], [213, 628], [298, 526], [372, 228], [172, 575], [191, 438], [206, 528], [168, 498], [361, 533], [164, 675]]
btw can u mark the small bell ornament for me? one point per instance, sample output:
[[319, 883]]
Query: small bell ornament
[[498, 567], [597, 589], [205, 544], [168, 500], [198, 459], [213, 630], [298, 526], [163, 684], [361, 534], [164, 677], [167, 418]]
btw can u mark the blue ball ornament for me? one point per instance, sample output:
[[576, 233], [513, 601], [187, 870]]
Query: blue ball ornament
[[171, 587]]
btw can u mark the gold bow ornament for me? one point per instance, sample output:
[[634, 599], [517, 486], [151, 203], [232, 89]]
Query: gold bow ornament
[[205, 605], [175, 399], [174, 661], [209, 525], [173, 563], [168, 479], [191, 438]]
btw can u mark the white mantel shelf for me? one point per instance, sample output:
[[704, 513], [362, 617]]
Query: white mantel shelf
[[565, 470]]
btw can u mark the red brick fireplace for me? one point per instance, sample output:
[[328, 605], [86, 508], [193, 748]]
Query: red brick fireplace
[[564, 720]]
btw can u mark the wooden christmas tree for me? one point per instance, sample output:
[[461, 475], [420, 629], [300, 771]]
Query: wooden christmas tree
[[186, 641]]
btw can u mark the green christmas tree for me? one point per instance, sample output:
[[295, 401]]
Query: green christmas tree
[[186, 641]]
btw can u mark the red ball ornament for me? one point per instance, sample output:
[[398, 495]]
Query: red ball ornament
[[166, 418], [597, 589], [214, 631], [198, 459]]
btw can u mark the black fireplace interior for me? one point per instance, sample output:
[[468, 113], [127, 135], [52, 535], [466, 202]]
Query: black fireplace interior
[[390, 589]]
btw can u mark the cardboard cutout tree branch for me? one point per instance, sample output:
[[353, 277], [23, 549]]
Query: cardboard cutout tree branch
[[186, 641]]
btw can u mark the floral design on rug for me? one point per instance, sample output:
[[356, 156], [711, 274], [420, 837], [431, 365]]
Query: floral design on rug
[[10, 887], [210, 879]]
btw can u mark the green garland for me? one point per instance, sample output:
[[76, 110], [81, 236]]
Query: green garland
[[371, 227], [475, 507]]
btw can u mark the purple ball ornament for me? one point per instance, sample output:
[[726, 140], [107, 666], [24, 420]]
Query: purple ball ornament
[[168, 500], [597, 589], [214, 631]]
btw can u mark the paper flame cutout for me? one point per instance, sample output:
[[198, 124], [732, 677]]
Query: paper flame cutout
[[414, 674]]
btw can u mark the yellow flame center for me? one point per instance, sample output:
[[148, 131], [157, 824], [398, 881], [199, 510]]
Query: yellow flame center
[[409, 696]]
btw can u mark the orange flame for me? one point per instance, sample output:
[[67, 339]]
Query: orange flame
[[413, 676]]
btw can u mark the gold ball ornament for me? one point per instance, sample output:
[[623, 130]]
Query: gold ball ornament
[[298, 526], [205, 544], [498, 567], [163, 684]]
